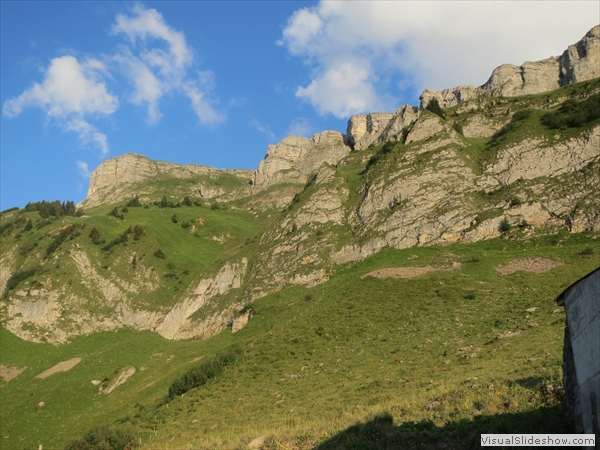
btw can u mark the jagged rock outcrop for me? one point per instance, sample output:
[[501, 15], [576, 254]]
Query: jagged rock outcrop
[[178, 323], [122, 177], [579, 62], [294, 158], [363, 130]]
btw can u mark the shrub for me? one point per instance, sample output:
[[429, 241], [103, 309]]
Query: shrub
[[197, 202], [118, 240], [174, 218], [388, 147], [434, 107], [504, 226], [160, 254], [94, 235], [135, 201], [105, 438], [372, 160], [17, 277], [28, 225], [215, 206], [186, 201], [458, 127], [70, 232], [573, 113], [138, 232], [6, 226], [200, 374], [185, 225], [115, 212], [586, 251]]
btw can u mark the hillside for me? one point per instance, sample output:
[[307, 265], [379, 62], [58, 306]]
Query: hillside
[[400, 261]]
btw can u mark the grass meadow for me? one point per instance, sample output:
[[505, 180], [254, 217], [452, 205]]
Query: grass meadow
[[358, 362]]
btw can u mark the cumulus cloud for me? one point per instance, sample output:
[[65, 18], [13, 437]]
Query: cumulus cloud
[[156, 71], [363, 55], [71, 91]]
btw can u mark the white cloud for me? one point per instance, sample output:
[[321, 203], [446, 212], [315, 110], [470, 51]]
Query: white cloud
[[300, 127], [263, 129], [355, 48], [155, 72], [69, 92], [84, 169]]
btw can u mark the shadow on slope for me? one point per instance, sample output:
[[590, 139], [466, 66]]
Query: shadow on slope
[[380, 433]]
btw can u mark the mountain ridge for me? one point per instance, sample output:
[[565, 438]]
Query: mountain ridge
[[209, 242]]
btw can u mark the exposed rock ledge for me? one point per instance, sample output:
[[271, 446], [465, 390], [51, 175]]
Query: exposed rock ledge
[[579, 62]]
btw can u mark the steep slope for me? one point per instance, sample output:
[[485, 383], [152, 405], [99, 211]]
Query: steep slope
[[196, 244]]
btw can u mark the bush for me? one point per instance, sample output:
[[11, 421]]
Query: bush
[[115, 212], [135, 201], [434, 107], [17, 277], [174, 218], [200, 374], [504, 226], [573, 113], [186, 201], [28, 225], [94, 235], [160, 254], [586, 251], [70, 232], [118, 240], [105, 438], [138, 232]]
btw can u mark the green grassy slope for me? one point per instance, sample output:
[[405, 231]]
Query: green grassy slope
[[318, 360]]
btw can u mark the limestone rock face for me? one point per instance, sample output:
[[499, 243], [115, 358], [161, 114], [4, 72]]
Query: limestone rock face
[[120, 178], [579, 62], [240, 321], [177, 323], [522, 161], [363, 130], [294, 158], [405, 115]]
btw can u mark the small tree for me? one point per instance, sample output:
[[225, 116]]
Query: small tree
[[134, 261], [505, 226], [186, 201], [28, 225], [174, 218], [94, 234]]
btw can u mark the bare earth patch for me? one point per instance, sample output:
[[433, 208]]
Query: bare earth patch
[[533, 265], [60, 367], [122, 378], [399, 272], [8, 373]]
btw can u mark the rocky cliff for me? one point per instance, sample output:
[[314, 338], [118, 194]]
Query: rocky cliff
[[117, 179], [579, 62], [489, 167]]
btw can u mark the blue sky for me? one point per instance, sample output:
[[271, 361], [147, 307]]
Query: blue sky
[[215, 83]]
